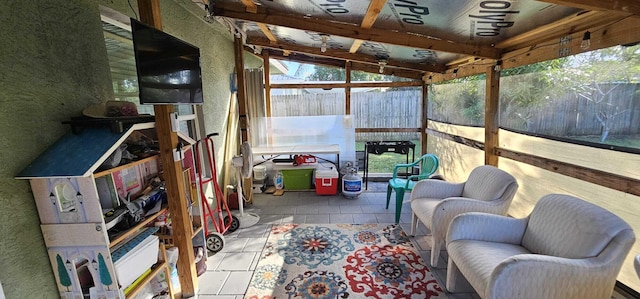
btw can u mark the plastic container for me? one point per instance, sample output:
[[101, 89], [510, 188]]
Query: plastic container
[[137, 260], [278, 180], [326, 180], [297, 179], [351, 185], [259, 172]]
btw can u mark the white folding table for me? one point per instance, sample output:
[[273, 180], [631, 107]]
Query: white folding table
[[306, 149]]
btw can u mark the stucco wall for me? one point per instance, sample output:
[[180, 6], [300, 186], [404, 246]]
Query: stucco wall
[[53, 64]]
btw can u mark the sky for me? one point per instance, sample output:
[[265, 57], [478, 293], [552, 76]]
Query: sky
[[298, 70]]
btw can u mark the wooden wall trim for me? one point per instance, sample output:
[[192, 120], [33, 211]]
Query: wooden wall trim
[[386, 130], [594, 176], [602, 178], [458, 139]]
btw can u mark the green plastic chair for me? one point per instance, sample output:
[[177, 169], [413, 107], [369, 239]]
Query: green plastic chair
[[428, 166]]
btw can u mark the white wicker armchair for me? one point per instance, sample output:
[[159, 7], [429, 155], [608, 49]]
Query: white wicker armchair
[[566, 248], [434, 202]]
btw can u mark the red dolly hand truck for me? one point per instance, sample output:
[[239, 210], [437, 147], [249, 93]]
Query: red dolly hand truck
[[220, 216]]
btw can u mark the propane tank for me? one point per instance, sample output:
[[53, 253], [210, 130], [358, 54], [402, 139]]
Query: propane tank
[[351, 181]]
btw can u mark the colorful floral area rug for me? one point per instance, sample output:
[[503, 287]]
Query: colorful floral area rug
[[341, 261]]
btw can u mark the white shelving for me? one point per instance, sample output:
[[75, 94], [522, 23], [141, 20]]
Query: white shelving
[[72, 197]]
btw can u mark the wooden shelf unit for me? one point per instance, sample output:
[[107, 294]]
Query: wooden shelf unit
[[129, 165], [160, 266], [71, 198], [134, 230]]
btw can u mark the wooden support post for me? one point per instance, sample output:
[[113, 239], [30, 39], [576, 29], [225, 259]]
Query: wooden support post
[[267, 82], [267, 92], [491, 119], [176, 191], [347, 90], [243, 113], [243, 118], [424, 120]]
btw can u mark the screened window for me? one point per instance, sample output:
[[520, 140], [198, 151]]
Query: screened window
[[459, 101], [591, 98]]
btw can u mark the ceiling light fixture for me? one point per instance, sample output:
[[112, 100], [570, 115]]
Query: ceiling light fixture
[[323, 47], [586, 40], [498, 66], [382, 63]]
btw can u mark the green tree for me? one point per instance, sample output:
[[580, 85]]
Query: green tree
[[105, 277], [324, 73], [595, 75], [65, 280], [459, 101]]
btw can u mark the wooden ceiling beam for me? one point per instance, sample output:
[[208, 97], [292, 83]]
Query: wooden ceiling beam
[[344, 55], [355, 66], [622, 32], [355, 46], [345, 85], [576, 23], [623, 6], [626, 31], [375, 7], [267, 32], [250, 6], [353, 31], [389, 71], [476, 68], [296, 57]]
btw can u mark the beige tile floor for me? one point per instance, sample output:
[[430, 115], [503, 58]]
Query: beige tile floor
[[229, 271]]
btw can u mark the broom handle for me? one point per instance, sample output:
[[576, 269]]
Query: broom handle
[[227, 157]]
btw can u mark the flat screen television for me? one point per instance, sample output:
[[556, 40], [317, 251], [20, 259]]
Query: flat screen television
[[168, 68]]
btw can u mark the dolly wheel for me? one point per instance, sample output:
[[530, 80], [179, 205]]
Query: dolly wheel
[[235, 223], [215, 242]]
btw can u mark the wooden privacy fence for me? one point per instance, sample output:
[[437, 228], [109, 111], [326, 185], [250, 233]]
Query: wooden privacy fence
[[392, 109], [572, 115], [308, 104], [566, 115]]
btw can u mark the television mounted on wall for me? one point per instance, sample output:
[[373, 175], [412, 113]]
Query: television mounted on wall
[[168, 68]]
